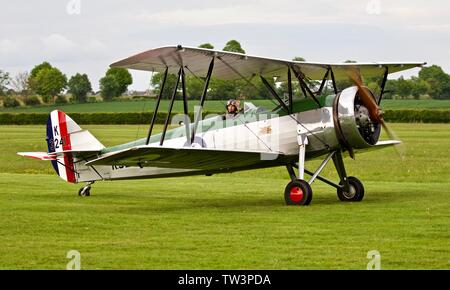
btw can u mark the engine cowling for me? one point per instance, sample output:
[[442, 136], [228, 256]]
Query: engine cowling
[[354, 127]]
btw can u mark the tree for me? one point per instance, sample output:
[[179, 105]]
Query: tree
[[220, 89], [108, 88], [20, 83], [115, 83], [233, 46], [47, 81], [403, 87], [438, 81], [38, 68], [4, 81], [389, 89], [79, 86], [298, 58], [206, 45], [419, 87], [169, 86], [194, 87]]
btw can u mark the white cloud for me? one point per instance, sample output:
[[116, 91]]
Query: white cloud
[[268, 12], [57, 41], [285, 12], [57, 46], [7, 46]]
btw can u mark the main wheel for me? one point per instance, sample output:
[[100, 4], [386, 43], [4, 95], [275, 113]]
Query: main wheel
[[356, 192], [298, 192]]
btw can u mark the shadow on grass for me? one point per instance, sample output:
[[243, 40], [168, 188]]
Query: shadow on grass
[[173, 203]]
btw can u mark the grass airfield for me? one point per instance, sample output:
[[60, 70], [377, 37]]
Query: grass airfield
[[229, 221]]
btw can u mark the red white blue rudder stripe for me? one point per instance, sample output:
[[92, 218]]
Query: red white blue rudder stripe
[[59, 127]]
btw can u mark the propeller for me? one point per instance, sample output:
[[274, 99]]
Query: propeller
[[375, 112]]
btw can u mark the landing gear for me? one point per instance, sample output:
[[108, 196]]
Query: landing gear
[[355, 191], [298, 192], [85, 190]]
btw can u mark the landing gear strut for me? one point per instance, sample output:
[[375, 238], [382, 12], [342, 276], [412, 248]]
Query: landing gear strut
[[85, 190], [299, 192]]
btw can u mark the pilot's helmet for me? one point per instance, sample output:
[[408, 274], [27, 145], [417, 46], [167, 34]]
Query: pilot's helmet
[[234, 102]]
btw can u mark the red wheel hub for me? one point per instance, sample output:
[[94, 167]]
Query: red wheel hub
[[296, 194]]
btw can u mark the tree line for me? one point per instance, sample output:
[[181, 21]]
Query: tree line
[[431, 82], [46, 84]]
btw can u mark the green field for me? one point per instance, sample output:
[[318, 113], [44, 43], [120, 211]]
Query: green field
[[230, 221], [213, 106], [125, 106]]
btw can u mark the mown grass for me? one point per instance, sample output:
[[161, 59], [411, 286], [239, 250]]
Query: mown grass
[[210, 105], [230, 221]]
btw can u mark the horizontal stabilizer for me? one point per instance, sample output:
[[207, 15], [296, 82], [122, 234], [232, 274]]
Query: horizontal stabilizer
[[38, 155]]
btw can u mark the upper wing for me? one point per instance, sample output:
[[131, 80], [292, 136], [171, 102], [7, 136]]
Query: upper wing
[[187, 158], [230, 65]]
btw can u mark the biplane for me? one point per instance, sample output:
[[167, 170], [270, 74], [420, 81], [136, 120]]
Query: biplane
[[327, 121]]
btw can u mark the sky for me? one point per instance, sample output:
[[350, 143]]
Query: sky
[[86, 36]]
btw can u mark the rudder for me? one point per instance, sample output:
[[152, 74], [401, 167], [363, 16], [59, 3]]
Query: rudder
[[66, 139]]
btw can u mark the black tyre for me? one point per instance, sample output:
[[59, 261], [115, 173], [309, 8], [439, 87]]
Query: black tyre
[[298, 192], [356, 192]]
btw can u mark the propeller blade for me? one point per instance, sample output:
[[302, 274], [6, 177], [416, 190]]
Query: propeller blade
[[366, 98], [374, 110], [400, 149]]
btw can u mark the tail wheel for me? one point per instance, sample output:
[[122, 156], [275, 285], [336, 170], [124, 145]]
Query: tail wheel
[[356, 192], [298, 192], [84, 191]]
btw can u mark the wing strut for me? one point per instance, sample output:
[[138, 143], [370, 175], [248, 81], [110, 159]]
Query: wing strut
[[324, 80], [199, 113], [187, 122], [305, 88], [275, 95], [291, 102], [166, 123], [158, 101], [333, 80], [383, 84]]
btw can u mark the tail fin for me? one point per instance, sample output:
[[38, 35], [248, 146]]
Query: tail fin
[[65, 140], [65, 136]]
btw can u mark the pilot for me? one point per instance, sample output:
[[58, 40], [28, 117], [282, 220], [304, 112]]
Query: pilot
[[232, 108]]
